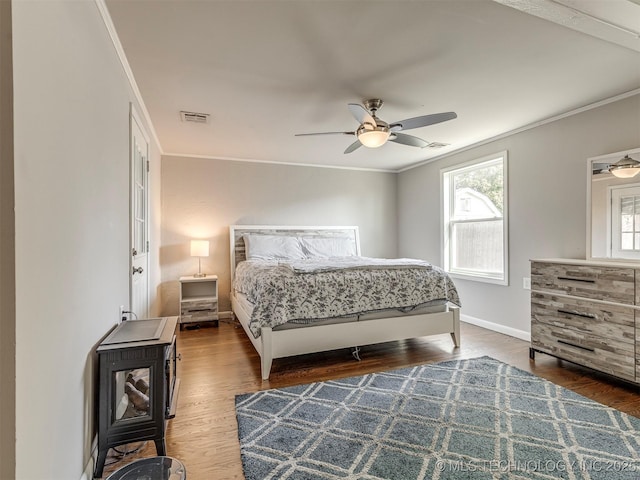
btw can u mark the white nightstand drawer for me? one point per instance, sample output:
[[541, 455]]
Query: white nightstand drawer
[[195, 307], [209, 317]]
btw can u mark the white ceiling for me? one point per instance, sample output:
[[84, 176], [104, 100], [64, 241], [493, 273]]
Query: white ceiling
[[267, 69]]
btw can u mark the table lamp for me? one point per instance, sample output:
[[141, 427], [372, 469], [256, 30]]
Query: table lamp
[[199, 248]]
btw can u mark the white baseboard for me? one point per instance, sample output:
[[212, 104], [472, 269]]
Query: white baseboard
[[90, 466], [88, 471], [496, 327], [228, 314]]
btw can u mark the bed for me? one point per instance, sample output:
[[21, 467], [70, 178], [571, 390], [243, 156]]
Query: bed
[[277, 336]]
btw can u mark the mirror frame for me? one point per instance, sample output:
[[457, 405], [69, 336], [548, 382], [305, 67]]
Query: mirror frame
[[608, 158]]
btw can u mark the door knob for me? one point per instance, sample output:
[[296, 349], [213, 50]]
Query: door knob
[[137, 270]]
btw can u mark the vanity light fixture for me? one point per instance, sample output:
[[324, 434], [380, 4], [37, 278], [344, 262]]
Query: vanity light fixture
[[199, 248], [626, 167]]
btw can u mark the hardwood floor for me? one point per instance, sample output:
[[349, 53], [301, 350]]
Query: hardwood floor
[[218, 363]]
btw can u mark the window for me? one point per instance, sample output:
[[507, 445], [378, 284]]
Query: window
[[474, 197], [625, 221]]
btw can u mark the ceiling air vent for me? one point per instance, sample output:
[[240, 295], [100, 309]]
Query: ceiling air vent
[[437, 145], [194, 117]]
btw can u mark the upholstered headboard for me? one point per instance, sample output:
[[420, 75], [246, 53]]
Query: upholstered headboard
[[237, 248]]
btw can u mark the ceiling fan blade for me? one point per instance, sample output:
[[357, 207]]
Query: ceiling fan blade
[[354, 146], [423, 121], [324, 133], [361, 115], [408, 140]]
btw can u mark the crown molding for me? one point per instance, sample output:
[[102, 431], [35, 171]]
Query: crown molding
[[272, 162], [115, 40], [530, 126]]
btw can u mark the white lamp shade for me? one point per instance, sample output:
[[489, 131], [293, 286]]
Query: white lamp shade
[[199, 248], [626, 172], [373, 138], [626, 167]]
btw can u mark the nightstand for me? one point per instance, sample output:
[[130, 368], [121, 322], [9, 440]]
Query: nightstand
[[199, 300]]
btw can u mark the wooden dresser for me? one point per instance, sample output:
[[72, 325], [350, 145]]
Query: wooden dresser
[[587, 312]]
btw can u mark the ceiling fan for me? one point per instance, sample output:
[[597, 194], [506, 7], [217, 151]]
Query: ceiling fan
[[374, 132]]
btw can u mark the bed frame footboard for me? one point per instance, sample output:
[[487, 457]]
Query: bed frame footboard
[[285, 343]]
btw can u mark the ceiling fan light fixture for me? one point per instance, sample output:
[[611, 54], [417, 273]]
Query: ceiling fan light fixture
[[626, 167], [373, 137], [373, 132]]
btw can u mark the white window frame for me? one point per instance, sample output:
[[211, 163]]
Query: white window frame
[[614, 193], [446, 209]]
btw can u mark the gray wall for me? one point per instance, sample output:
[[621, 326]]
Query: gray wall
[[7, 252], [547, 202], [71, 156], [202, 197]]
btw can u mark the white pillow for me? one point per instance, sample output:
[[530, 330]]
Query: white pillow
[[323, 247], [272, 247]]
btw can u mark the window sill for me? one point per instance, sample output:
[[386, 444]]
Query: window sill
[[477, 278]]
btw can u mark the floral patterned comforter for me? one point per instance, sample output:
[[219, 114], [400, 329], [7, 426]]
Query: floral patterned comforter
[[280, 294]]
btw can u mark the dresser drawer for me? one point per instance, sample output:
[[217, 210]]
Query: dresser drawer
[[587, 281], [638, 348], [586, 318], [605, 354]]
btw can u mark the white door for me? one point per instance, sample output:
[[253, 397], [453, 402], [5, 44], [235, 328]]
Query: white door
[[139, 204], [625, 221]]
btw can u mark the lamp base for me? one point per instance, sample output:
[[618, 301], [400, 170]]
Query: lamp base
[[199, 275]]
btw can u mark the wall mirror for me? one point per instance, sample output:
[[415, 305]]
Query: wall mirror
[[613, 210]]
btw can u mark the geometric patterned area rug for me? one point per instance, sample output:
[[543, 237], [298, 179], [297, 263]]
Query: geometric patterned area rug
[[462, 419]]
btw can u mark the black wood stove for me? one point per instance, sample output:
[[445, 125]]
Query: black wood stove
[[138, 384]]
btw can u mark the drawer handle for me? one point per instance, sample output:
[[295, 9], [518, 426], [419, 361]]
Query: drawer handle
[[199, 309], [583, 315], [572, 279], [577, 346]]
